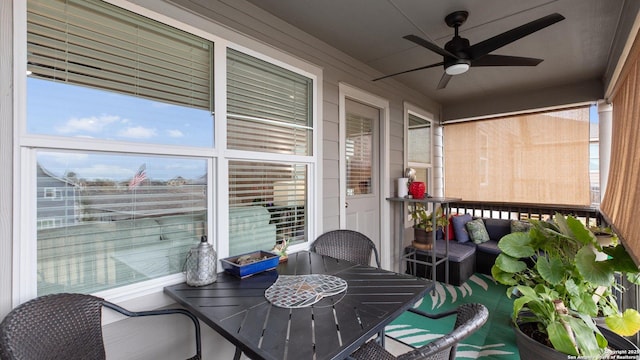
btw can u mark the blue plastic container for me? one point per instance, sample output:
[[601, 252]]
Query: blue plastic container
[[269, 263]]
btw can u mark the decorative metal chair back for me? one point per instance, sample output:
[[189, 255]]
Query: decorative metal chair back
[[65, 326], [346, 245], [469, 318]]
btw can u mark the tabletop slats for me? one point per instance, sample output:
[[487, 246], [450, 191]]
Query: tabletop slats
[[299, 339], [325, 333], [275, 334], [253, 322]]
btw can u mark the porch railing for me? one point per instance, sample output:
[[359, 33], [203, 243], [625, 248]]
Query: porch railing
[[520, 211]]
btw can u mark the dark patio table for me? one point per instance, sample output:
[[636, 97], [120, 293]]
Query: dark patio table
[[330, 329]]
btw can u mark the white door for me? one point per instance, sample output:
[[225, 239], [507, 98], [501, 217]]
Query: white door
[[361, 161]]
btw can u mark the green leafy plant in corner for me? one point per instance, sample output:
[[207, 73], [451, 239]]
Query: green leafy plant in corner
[[422, 219], [561, 287]]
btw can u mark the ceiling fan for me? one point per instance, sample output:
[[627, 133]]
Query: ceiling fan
[[459, 54]]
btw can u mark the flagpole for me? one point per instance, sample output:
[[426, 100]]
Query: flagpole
[[136, 180]]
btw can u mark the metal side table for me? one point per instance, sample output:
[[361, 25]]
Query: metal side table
[[410, 256]]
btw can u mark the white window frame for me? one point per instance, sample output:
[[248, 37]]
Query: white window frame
[[57, 194], [47, 223], [410, 109], [315, 172], [24, 256]]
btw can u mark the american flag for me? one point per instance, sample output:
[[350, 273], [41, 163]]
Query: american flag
[[138, 177]]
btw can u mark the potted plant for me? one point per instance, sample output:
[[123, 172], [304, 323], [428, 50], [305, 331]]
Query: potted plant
[[605, 237], [281, 249], [423, 224], [561, 287]]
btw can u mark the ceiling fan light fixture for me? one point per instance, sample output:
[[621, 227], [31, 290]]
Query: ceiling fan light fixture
[[457, 69]]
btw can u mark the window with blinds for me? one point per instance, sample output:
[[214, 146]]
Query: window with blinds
[[110, 216], [419, 147], [540, 158], [95, 44], [267, 204], [127, 77], [419, 134], [269, 108]]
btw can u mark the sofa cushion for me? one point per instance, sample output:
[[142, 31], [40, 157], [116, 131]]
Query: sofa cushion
[[497, 228], [477, 232], [490, 247], [462, 262], [520, 226], [457, 251], [459, 228], [450, 232]]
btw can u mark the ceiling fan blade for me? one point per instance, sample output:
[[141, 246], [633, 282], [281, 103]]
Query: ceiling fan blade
[[484, 47], [504, 60], [444, 80], [431, 46], [407, 71]]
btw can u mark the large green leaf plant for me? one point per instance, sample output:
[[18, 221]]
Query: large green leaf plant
[[423, 219], [559, 284]]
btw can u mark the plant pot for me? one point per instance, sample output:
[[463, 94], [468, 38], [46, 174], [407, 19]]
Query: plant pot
[[532, 350], [423, 240], [603, 240]]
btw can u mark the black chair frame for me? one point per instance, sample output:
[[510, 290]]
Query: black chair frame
[[67, 326], [469, 318], [347, 245]]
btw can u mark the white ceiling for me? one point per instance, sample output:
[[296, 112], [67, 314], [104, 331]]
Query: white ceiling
[[580, 50]]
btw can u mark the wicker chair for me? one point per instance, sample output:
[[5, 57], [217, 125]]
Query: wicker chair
[[65, 326], [346, 245], [470, 317]]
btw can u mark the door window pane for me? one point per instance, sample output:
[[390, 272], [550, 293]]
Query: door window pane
[[359, 147], [116, 219]]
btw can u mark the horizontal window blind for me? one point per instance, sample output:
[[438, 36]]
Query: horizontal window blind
[[95, 44], [268, 107], [267, 203], [99, 232], [540, 158], [359, 154]]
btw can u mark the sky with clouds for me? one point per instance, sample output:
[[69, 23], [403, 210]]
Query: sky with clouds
[[60, 109]]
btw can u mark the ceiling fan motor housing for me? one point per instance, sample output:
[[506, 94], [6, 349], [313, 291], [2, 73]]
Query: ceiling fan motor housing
[[455, 46]]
